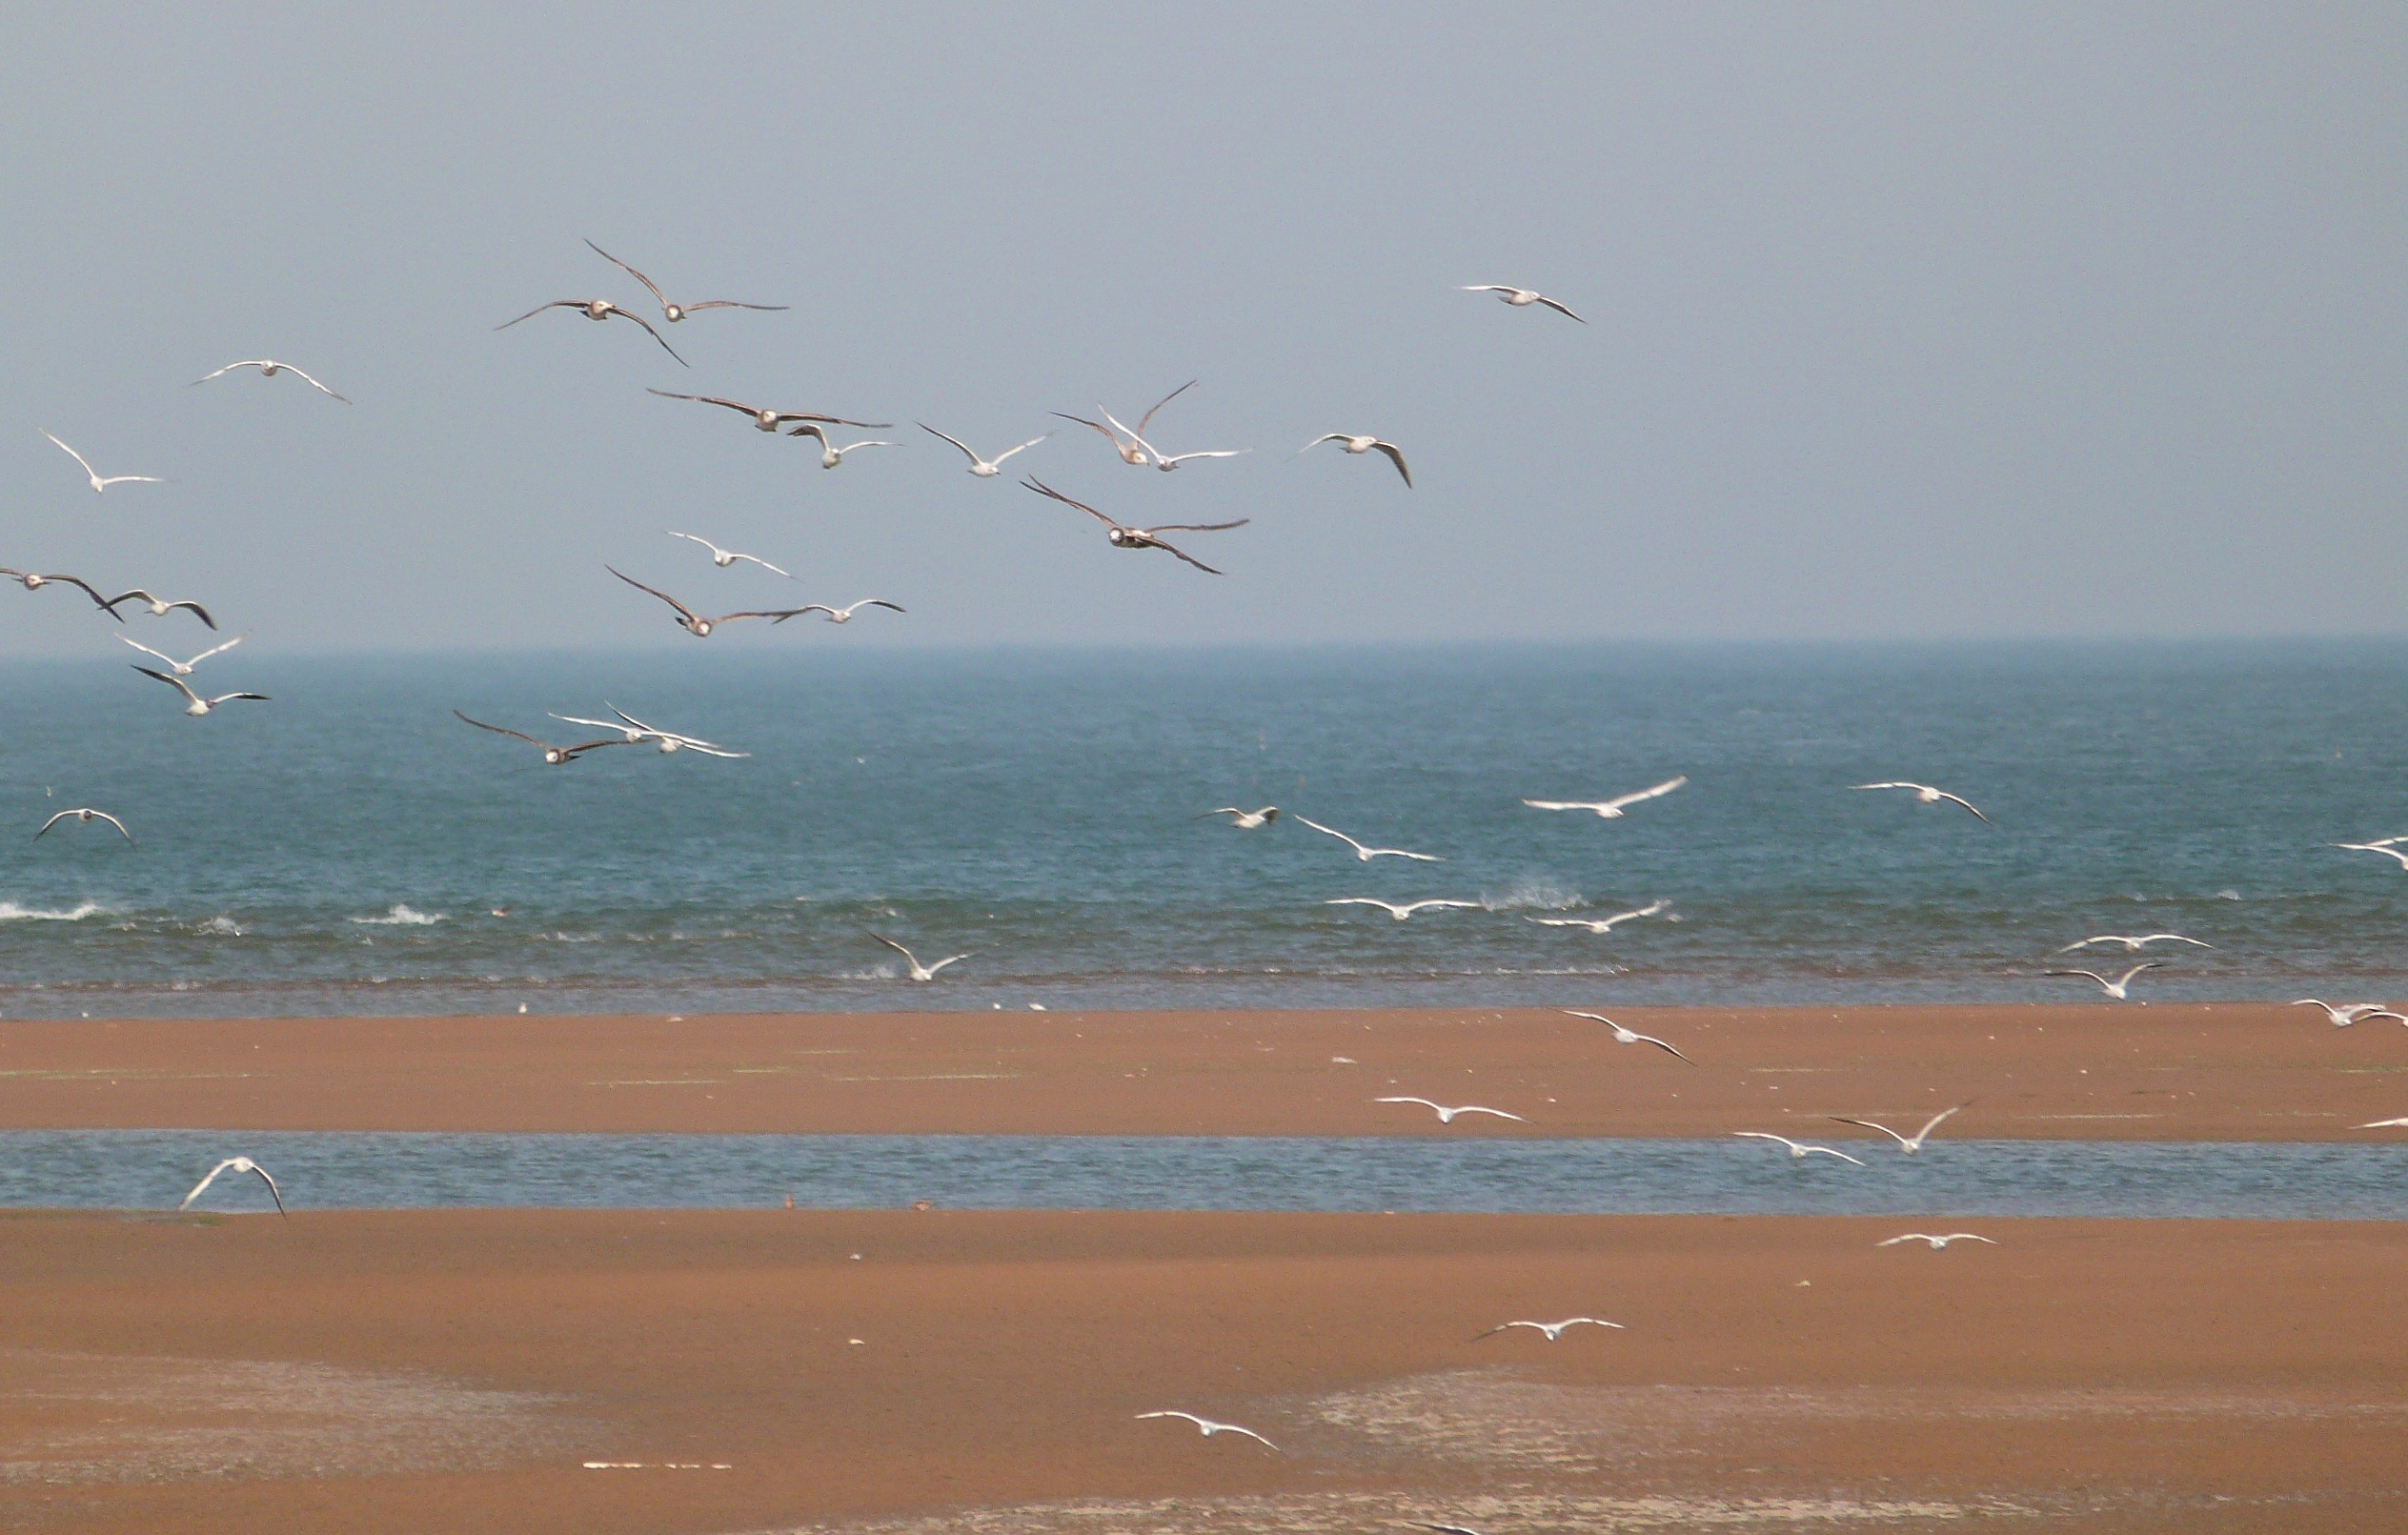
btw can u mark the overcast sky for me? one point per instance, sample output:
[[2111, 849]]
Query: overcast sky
[[1903, 321]]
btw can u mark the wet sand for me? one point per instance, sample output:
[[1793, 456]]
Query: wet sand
[[413, 1371], [2078, 1071]]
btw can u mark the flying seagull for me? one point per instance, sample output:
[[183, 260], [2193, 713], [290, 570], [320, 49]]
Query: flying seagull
[[1130, 453], [552, 755], [918, 971], [85, 818], [1926, 795], [1610, 809], [1365, 854], [32, 582], [268, 368], [2349, 1013], [1601, 925], [2384, 847], [694, 623], [599, 308], [1399, 913], [95, 475], [183, 668], [765, 419], [160, 607], [2133, 943], [2384, 1125], [724, 557], [845, 614], [1938, 1243], [674, 313], [1362, 445], [1519, 297], [1245, 820], [1910, 1145], [1167, 462], [1798, 1151], [1208, 1427], [1623, 1036], [1447, 1116], [637, 732], [830, 455], [984, 468], [238, 1164], [1552, 1330], [193, 704], [2114, 988], [1121, 537]]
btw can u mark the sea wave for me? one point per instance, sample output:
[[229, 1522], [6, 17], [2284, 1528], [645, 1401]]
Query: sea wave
[[1525, 895], [402, 915], [12, 912]]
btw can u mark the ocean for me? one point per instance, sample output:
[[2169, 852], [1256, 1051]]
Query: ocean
[[351, 847]]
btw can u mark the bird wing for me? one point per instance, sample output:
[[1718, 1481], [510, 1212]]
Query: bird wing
[[229, 367], [314, 384], [1654, 791], [199, 1187], [704, 399], [1934, 1122], [2126, 979], [1030, 443], [1764, 1135], [1841, 1118], [198, 611], [1893, 783], [1423, 1102], [78, 457], [1474, 1108], [1341, 437], [1096, 425], [907, 954], [2103, 937], [1183, 555], [1488, 288], [499, 730], [1650, 1038], [952, 959], [764, 564], [1841, 1155], [730, 303], [2176, 938], [955, 441], [52, 821], [213, 649], [622, 266], [2092, 974], [809, 429], [1912, 1236], [83, 586], [1557, 804], [1033, 483], [1200, 527], [1396, 457], [558, 303], [654, 590], [1967, 804], [275, 1193], [1173, 460], [650, 332], [1143, 421], [102, 815], [1400, 853], [775, 614], [1358, 900], [1558, 307], [175, 682], [228, 698]]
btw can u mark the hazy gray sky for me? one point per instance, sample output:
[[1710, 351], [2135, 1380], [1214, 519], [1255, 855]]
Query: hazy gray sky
[[1912, 320]]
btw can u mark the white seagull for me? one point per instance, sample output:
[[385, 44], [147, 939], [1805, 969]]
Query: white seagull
[[1552, 1329], [2384, 847], [2135, 943], [599, 308], [1938, 1243], [1798, 1152], [237, 1164], [830, 455], [1623, 1036], [918, 971], [1362, 445], [2349, 1013], [1600, 924], [554, 755], [1519, 297], [95, 475], [185, 667], [160, 607], [1910, 1145], [842, 615], [674, 313], [1399, 913], [1167, 462], [724, 557], [638, 731], [2117, 987], [1609, 809], [984, 468], [194, 704], [1926, 795], [1367, 853], [1244, 820], [1208, 1427], [1447, 1116], [85, 818], [35, 581], [268, 368], [1130, 452]]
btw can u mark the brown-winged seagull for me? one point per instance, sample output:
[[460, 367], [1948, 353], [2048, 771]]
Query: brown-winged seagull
[[692, 622], [1123, 536], [599, 308], [193, 704], [674, 313], [765, 419]]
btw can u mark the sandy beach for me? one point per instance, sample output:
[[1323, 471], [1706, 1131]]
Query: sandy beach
[[2078, 1071]]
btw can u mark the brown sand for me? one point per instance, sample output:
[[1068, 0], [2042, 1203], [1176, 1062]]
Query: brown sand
[[2085, 1070], [454, 1370]]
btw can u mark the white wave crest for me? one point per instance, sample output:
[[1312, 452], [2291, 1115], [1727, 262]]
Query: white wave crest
[[12, 912], [1525, 894], [403, 916], [220, 927]]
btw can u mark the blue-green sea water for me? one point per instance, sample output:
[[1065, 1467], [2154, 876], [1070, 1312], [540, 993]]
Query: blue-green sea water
[[351, 847]]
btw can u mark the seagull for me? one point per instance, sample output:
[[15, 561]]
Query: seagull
[[2114, 988], [1399, 913], [1366, 854], [32, 582], [238, 1164], [1447, 1116], [674, 313], [1362, 445], [268, 368], [1519, 297], [599, 308], [1610, 809], [160, 607], [638, 731], [1938, 1243], [924, 972], [765, 420], [1910, 1145], [1623, 1036], [1600, 924], [1797, 1151], [1554, 1330], [1926, 795], [554, 756], [2349, 1013], [830, 455], [2133, 943], [2385, 848], [694, 623], [984, 468], [1127, 538], [85, 818], [194, 704], [183, 668], [1441, 1529], [1167, 463], [845, 614], [2384, 1125], [1245, 820], [1129, 454], [93, 474], [1209, 1429], [724, 557]]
